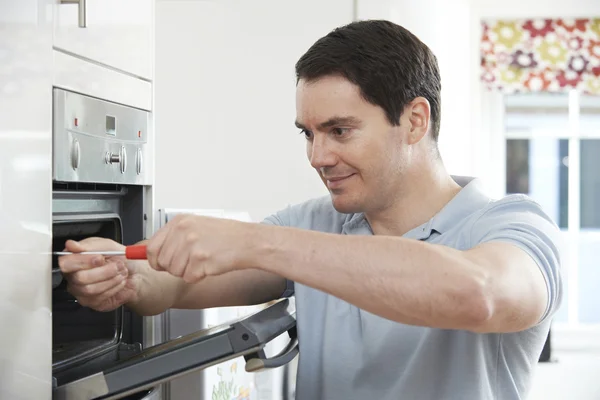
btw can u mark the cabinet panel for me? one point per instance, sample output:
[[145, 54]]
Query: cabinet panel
[[25, 194], [74, 74], [117, 33]]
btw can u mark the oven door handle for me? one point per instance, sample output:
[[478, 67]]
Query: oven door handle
[[258, 361]]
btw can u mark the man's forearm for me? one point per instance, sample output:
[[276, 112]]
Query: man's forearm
[[404, 280], [156, 291], [159, 291]]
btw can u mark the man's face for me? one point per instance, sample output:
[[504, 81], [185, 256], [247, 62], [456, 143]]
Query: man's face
[[358, 154]]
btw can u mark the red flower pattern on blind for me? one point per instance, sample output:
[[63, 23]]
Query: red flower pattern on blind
[[552, 55]]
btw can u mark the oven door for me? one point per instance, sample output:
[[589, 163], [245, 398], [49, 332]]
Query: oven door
[[160, 363], [83, 340]]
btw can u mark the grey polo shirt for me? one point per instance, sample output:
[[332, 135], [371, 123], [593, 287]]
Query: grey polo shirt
[[347, 353]]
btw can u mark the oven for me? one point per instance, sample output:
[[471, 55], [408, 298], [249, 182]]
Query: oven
[[85, 341], [101, 181], [102, 186]]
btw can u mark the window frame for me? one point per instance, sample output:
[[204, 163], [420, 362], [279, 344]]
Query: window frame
[[494, 111]]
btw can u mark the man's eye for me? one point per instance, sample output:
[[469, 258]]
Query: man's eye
[[339, 131], [307, 134]]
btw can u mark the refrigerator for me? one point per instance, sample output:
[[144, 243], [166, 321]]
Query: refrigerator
[[228, 380]]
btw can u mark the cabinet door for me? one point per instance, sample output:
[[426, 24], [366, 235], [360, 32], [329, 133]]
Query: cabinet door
[[114, 33], [25, 192]]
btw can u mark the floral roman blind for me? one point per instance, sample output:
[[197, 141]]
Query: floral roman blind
[[550, 55]]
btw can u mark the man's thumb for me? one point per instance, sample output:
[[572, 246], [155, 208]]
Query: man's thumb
[[73, 246]]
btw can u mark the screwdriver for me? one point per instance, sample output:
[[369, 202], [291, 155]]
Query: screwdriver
[[136, 252]]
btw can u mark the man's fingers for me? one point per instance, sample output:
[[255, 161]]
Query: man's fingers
[[93, 244], [99, 274], [180, 258], [167, 250], [154, 245], [73, 246], [97, 290], [78, 262], [96, 302]]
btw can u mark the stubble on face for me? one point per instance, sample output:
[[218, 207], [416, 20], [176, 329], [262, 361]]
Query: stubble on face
[[371, 149]]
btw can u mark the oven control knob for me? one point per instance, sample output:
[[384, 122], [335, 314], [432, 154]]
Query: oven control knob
[[111, 158], [121, 159], [75, 154]]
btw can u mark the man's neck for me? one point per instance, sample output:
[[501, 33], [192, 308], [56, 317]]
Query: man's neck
[[430, 190]]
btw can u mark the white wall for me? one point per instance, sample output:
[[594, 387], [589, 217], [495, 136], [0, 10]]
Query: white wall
[[444, 27], [535, 8], [225, 102]]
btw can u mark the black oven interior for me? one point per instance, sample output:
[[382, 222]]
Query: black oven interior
[[85, 341], [79, 330]]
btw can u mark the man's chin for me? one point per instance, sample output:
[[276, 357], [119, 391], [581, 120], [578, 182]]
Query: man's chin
[[345, 205]]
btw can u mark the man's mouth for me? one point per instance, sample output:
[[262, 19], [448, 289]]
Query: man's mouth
[[334, 182]]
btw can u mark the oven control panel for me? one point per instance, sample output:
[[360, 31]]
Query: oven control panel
[[99, 141]]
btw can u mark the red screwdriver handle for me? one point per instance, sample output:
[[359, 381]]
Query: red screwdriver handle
[[137, 252]]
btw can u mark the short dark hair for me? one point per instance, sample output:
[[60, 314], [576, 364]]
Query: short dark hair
[[389, 64]]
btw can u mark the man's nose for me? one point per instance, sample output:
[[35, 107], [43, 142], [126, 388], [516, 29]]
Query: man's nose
[[320, 153]]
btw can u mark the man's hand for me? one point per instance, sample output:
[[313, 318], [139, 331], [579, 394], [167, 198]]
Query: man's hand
[[194, 247], [98, 282]]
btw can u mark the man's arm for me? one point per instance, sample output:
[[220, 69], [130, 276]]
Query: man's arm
[[494, 287], [236, 288], [159, 291], [105, 284]]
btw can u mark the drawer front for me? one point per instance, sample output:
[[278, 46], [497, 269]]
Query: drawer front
[[115, 33], [76, 75]]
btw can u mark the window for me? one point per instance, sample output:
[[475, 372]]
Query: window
[[552, 154]]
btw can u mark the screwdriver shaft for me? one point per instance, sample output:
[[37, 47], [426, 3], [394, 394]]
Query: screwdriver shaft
[[103, 253]]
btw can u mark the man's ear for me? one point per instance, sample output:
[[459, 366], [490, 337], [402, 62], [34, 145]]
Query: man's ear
[[418, 112]]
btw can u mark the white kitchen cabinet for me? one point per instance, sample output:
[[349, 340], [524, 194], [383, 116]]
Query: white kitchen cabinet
[[77, 75], [25, 207], [117, 33]]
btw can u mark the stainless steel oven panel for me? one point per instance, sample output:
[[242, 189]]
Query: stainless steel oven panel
[[73, 206], [99, 141]]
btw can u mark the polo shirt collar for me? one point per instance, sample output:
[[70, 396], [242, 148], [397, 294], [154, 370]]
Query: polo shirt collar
[[470, 198]]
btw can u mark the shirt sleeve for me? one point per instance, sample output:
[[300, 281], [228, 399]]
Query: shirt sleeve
[[282, 218], [522, 222]]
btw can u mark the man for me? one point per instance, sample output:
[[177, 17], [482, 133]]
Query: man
[[409, 283]]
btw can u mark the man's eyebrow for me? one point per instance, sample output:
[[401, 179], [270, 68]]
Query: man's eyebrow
[[332, 122], [338, 121]]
